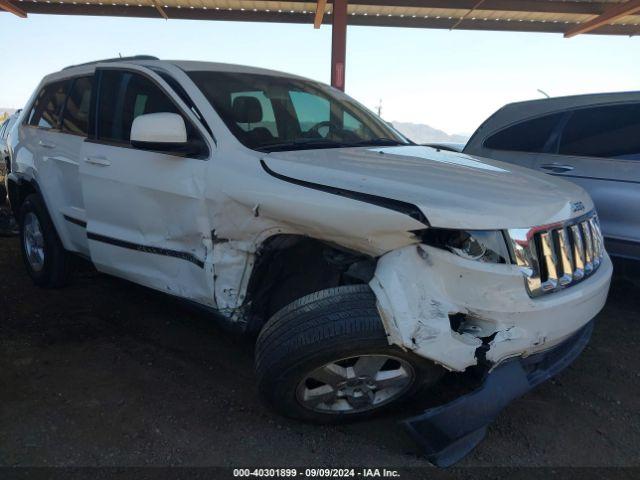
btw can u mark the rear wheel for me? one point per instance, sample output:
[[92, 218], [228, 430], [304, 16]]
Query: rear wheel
[[326, 358], [44, 256]]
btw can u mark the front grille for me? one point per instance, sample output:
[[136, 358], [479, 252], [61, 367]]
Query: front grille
[[557, 256]]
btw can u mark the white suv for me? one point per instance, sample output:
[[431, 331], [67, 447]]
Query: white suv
[[368, 265]]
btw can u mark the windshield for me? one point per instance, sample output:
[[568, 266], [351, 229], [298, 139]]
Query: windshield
[[270, 113]]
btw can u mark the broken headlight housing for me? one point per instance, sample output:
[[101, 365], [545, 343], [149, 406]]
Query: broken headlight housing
[[488, 246]]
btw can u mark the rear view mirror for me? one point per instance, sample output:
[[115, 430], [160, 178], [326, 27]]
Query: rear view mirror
[[159, 131]]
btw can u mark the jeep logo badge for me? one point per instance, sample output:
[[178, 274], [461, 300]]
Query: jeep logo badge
[[577, 207]]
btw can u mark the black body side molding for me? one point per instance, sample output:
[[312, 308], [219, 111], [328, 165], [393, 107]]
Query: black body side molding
[[75, 221], [146, 249], [389, 203]]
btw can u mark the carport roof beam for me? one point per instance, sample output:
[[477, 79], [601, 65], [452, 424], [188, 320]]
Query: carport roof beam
[[611, 14], [161, 11], [552, 16], [320, 7], [7, 6]]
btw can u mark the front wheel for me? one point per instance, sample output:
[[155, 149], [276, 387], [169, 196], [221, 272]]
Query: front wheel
[[44, 256], [326, 358]]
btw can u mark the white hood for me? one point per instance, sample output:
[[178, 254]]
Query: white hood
[[453, 190]]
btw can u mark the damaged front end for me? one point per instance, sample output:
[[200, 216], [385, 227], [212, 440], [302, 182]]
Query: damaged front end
[[510, 318], [449, 432]]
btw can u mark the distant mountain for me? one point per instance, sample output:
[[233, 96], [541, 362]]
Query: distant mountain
[[421, 133]]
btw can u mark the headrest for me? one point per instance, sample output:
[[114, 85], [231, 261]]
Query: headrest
[[247, 110]]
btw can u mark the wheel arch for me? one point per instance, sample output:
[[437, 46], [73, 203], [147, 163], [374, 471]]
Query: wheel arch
[[289, 266], [18, 189]]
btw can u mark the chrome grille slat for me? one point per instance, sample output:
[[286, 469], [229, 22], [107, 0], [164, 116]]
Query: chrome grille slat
[[597, 241], [588, 248], [566, 258], [578, 251], [554, 257], [550, 262]]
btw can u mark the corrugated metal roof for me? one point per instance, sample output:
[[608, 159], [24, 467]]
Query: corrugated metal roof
[[516, 15]]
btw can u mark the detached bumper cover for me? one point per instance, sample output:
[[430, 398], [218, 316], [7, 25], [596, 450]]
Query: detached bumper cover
[[449, 432]]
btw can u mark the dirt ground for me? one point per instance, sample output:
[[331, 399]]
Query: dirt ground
[[105, 373]]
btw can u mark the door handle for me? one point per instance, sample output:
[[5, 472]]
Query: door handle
[[44, 144], [100, 161], [556, 168]]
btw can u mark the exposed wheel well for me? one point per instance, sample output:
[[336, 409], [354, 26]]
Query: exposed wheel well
[[289, 267], [18, 191]]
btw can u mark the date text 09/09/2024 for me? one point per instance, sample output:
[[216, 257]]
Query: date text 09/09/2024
[[316, 472]]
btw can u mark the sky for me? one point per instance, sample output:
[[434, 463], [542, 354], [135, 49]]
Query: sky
[[451, 80]]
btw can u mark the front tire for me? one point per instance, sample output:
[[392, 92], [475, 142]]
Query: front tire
[[45, 258], [325, 358]]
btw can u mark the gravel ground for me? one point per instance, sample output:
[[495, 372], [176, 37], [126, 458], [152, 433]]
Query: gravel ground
[[106, 373]]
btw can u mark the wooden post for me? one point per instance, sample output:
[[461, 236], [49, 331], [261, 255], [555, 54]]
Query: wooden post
[[338, 43]]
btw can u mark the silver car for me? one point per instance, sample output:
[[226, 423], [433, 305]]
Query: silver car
[[591, 140]]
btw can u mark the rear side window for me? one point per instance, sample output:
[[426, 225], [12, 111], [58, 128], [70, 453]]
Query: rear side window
[[46, 110], [610, 131], [75, 118], [529, 136]]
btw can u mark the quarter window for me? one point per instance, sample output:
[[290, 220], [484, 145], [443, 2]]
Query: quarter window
[[46, 109], [529, 136], [75, 118], [609, 131]]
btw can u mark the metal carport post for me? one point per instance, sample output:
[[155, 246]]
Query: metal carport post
[[338, 38], [338, 43]]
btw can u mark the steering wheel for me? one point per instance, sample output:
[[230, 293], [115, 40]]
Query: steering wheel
[[324, 124]]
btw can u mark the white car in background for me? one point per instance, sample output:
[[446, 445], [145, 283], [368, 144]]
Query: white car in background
[[368, 265], [5, 128]]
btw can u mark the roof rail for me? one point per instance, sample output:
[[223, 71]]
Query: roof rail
[[116, 59]]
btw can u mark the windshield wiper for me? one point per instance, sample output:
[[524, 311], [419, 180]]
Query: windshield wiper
[[378, 142], [300, 144]]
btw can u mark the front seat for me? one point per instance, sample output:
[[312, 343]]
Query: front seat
[[247, 110]]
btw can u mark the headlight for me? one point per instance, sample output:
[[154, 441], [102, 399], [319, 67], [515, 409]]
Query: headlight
[[481, 245]]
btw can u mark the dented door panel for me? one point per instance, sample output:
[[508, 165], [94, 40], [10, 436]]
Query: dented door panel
[[147, 219]]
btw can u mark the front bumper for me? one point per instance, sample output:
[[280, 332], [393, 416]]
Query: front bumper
[[419, 288], [449, 432]]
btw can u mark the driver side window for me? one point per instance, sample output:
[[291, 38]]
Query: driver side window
[[350, 123], [311, 108], [124, 96]]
